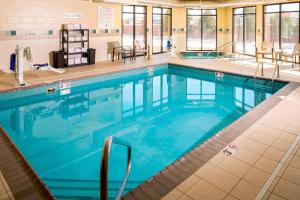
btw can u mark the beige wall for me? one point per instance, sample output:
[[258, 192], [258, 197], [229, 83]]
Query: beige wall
[[33, 18]]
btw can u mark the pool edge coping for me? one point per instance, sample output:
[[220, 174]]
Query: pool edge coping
[[24, 164]]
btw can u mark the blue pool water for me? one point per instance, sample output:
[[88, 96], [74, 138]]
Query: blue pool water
[[163, 114]]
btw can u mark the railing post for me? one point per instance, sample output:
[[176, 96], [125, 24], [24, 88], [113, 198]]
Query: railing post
[[104, 167]]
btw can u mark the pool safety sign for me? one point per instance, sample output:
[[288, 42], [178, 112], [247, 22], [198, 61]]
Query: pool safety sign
[[65, 87], [230, 149]]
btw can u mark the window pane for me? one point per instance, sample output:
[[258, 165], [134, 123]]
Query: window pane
[[238, 34], [209, 12], [127, 29], [127, 8], [166, 11], [209, 32], [140, 26], [289, 30], [194, 33], [250, 34], [140, 9], [249, 10], [272, 8], [156, 33], [166, 30], [194, 12], [271, 28], [290, 7], [238, 11], [156, 11]]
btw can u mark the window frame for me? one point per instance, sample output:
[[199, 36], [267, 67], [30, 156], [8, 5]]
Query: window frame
[[280, 19], [233, 27], [134, 22], [161, 27], [187, 31]]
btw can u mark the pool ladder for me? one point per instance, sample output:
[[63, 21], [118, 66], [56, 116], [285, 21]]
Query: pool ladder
[[104, 167], [260, 67]]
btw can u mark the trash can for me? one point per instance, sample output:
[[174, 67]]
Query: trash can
[[92, 56], [58, 59]]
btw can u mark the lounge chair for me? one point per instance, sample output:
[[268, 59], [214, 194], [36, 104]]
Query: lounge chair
[[116, 50], [267, 48], [139, 49], [293, 55]]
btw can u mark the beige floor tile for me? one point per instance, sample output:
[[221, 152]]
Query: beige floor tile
[[256, 147], [230, 197], [257, 177], [246, 156], [234, 166], [267, 130], [217, 158], [295, 162], [286, 137], [280, 144], [265, 139], [287, 190], [184, 197], [266, 164], [292, 129], [245, 191], [274, 154], [204, 170], [174, 194], [293, 175], [205, 191], [188, 183], [222, 179], [275, 197]]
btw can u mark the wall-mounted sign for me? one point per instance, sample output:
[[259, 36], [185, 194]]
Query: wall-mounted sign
[[72, 15], [105, 18]]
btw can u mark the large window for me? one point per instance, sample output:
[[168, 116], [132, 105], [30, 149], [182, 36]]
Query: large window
[[134, 25], [281, 24], [201, 29], [244, 28], [161, 29]]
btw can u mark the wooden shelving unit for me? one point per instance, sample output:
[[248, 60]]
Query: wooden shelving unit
[[81, 44]]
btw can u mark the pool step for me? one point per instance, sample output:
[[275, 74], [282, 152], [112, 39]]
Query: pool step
[[64, 189]]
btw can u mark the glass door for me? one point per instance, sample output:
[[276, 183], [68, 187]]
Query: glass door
[[161, 29], [134, 25], [201, 29], [281, 24], [244, 30]]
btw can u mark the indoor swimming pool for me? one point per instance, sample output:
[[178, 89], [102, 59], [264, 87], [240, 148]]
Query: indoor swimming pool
[[162, 111]]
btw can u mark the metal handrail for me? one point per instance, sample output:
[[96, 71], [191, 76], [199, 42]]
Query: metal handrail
[[223, 46], [104, 167]]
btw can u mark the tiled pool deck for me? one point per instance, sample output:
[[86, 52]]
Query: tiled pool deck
[[263, 136]]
